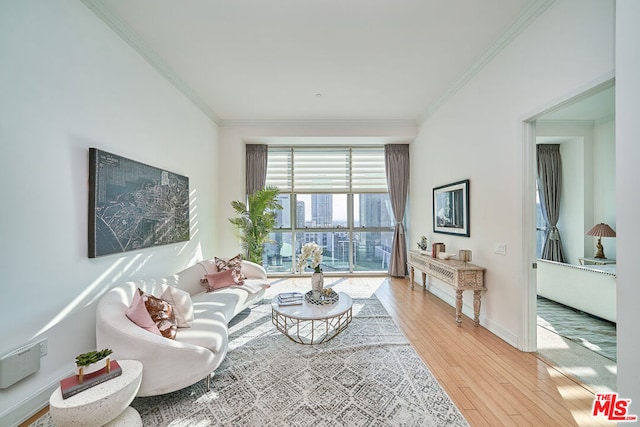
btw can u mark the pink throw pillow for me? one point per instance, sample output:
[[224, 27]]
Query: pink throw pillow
[[234, 263], [138, 314], [221, 280]]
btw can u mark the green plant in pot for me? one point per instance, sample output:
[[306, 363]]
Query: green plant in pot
[[88, 362], [86, 359], [255, 221]]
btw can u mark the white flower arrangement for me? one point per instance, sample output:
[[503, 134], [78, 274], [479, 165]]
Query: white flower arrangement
[[313, 251]]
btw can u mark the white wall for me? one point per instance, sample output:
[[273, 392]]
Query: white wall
[[234, 137], [604, 182], [69, 83], [477, 134], [628, 198]]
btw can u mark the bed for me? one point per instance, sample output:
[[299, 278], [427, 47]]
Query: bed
[[589, 288]]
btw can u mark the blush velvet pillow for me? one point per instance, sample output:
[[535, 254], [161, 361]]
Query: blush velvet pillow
[[220, 280], [138, 314]]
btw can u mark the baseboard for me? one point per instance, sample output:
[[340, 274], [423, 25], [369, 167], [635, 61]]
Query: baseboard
[[25, 409], [497, 330]]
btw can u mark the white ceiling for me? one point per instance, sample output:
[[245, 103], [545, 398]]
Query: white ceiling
[[366, 59]]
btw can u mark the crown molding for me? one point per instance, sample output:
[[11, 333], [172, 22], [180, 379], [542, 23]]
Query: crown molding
[[562, 122], [603, 120], [105, 14], [322, 122], [503, 40]]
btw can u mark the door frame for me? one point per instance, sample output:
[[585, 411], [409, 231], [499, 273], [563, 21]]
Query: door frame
[[527, 340]]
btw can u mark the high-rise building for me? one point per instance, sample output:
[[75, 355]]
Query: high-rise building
[[374, 211], [283, 216], [300, 211], [322, 210]]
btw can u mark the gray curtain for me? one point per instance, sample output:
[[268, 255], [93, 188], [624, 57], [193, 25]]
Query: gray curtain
[[549, 185], [396, 158], [256, 170]]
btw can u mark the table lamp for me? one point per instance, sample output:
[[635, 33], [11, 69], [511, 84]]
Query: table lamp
[[601, 230]]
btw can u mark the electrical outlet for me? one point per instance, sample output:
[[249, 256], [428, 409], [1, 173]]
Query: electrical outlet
[[500, 249], [43, 347]]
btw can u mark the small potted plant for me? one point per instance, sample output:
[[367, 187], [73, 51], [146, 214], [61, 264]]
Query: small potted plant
[[87, 363], [423, 243], [314, 252]]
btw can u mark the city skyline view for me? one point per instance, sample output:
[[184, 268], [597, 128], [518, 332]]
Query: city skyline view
[[318, 218]]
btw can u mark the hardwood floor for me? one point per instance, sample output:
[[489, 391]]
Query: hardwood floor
[[491, 382]]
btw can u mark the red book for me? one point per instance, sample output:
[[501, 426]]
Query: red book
[[70, 385]]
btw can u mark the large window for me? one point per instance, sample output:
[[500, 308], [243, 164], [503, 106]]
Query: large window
[[336, 197]]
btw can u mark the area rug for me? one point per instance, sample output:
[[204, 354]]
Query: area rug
[[592, 333], [369, 375]]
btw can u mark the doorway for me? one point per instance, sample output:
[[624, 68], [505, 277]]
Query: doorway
[[557, 327]]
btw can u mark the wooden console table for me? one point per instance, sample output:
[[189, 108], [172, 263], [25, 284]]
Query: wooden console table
[[453, 272]]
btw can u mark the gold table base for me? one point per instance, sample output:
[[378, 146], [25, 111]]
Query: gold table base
[[311, 331]]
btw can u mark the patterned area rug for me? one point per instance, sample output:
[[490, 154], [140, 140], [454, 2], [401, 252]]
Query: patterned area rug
[[597, 335], [367, 376]]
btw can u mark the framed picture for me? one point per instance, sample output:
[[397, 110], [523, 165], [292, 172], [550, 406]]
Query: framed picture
[[451, 208], [133, 205]]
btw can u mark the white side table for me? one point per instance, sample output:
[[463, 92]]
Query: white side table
[[104, 404]]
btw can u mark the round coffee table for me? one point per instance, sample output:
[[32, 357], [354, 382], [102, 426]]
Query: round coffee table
[[312, 324], [104, 404]]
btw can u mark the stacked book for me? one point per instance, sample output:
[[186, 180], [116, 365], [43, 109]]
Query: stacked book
[[72, 385], [290, 298]]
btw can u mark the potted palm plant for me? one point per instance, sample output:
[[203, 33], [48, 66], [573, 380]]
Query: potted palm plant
[[255, 221]]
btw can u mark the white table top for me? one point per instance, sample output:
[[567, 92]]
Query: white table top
[[307, 311]]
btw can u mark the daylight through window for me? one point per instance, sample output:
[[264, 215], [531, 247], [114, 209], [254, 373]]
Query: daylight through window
[[336, 197]]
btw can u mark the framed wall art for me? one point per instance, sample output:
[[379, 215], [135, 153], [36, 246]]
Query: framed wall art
[[133, 205], [451, 209]]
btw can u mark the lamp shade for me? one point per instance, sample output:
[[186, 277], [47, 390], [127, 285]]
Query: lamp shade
[[601, 230]]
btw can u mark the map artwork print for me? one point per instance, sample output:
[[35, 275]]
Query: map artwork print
[[134, 206]]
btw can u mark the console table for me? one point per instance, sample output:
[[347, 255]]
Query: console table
[[462, 276]]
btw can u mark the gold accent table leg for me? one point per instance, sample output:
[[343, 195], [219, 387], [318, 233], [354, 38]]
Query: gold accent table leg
[[412, 274], [476, 308], [459, 307], [424, 281]]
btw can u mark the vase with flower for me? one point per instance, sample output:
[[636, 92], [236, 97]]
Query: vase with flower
[[311, 256]]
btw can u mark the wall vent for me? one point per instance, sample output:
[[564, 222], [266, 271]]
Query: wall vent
[[19, 363]]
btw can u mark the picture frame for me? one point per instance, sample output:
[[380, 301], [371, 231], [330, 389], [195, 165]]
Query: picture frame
[[133, 205], [451, 209]]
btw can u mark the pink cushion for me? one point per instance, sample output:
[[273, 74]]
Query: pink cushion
[[234, 263], [220, 280], [138, 314]]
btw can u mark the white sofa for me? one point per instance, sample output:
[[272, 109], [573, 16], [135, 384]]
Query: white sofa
[[170, 365]]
